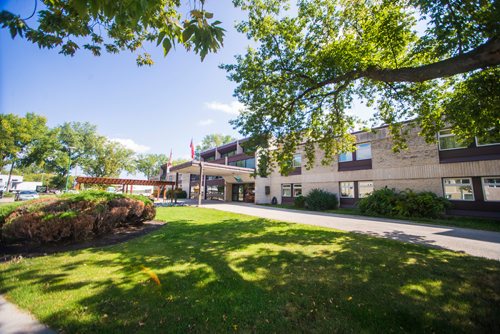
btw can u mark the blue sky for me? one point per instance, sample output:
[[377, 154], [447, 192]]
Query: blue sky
[[150, 109], [157, 108]]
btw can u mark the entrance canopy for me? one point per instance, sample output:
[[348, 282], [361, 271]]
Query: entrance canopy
[[231, 174]]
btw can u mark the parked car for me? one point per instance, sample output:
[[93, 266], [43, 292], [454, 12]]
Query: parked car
[[26, 195]]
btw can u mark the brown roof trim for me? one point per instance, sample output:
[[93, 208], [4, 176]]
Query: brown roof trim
[[110, 180]]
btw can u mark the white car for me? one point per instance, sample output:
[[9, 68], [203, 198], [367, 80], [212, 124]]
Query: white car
[[26, 195]]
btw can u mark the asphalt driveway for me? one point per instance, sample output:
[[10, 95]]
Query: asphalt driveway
[[474, 242]]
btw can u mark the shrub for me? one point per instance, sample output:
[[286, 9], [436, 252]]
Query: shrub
[[379, 202], [299, 202], [319, 199], [73, 217], [180, 193], [407, 203]]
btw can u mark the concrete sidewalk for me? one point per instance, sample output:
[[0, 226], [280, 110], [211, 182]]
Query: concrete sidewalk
[[15, 321], [474, 242]]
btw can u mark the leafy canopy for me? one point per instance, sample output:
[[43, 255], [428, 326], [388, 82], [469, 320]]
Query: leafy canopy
[[115, 26], [214, 140], [299, 82], [150, 164]]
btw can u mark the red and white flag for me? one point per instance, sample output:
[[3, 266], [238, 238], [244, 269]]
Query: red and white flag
[[169, 163], [192, 149]]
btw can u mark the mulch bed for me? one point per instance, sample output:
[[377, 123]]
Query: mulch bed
[[119, 235]]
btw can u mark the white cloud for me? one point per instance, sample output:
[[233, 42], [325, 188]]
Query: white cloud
[[232, 108], [206, 122], [129, 143]]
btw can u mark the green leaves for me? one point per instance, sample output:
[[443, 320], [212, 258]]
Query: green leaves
[[114, 27], [309, 64]]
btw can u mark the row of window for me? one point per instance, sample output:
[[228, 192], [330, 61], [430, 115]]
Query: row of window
[[455, 189], [462, 189], [448, 141], [247, 163], [348, 190], [363, 152], [291, 190]]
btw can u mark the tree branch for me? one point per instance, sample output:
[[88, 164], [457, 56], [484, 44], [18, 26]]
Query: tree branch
[[484, 56]]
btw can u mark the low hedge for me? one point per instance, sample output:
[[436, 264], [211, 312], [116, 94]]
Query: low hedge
[[406, 203], [76, 217]]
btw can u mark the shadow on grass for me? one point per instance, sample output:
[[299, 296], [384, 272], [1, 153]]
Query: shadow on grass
[[261, 276]]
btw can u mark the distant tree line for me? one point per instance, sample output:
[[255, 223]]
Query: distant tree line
[[29, 147]]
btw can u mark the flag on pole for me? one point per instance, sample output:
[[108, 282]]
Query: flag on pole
[[192, 149], [169, 163]]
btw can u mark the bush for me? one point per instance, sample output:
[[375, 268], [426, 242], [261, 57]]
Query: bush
[[318, 200], [379, 202], [73, 217], [181, 194], [299, 202], [407, 203]]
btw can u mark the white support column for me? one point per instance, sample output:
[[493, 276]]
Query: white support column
[[200, 184]]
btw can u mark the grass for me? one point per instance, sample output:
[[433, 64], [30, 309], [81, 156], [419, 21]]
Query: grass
[[224, 272], [463, 222]]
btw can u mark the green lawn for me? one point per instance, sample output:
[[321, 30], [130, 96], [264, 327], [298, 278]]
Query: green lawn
[[464, 222], [223, 272]]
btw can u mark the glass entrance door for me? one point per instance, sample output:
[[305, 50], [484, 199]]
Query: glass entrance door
[[237, 193]]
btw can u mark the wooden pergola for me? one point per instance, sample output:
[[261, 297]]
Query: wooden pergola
[[125, 183]]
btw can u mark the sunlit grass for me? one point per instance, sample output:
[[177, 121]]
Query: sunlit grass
[[223, 272]]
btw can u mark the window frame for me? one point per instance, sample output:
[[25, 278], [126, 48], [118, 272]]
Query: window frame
[[300, 160], [459, 178], [484, 192], [445, 136], [373, 188], [353, 189], [294, 187], [476, 140], [357, 150], [346, 153], [283, 188]]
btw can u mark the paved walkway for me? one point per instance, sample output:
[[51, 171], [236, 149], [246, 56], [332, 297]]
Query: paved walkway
[[474, 242], [15, 321]]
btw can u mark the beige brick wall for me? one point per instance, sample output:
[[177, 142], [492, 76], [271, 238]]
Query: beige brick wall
[[417, 168]]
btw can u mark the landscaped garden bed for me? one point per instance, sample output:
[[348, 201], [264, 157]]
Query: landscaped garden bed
[[214, 271], [71, 218]]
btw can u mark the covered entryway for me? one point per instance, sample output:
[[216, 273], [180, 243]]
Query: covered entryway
[[239, 184]]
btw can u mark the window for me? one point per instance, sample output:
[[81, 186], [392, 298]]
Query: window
[[297, 190], [286, 190], [212, 158], [491, 137], [365, 188], [347, 156], [491, 188], [458, 189], [228, 154], [448, 141], [347, 189], [297, 160], [363, 151], [250, 163]]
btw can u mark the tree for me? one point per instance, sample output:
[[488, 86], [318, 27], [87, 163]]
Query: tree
[[72, 144], [109, 159], [299, 83], [213, 140], [118, 25], [150, 164], [20, 135]]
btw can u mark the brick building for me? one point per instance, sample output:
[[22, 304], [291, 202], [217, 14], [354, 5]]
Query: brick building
[[468, 174]]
